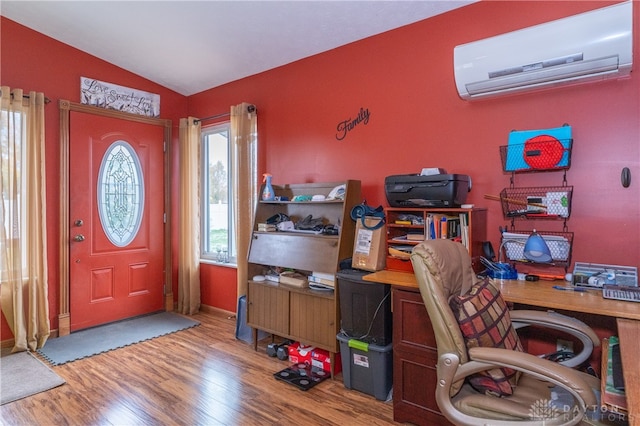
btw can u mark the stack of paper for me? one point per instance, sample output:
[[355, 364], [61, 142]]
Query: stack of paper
[[322, 279]]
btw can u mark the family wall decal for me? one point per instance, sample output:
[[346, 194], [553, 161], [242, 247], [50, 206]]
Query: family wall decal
[[344, 127]]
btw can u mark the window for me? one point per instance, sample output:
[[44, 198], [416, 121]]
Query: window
[[120, 193], [218, 236], [13, 186]]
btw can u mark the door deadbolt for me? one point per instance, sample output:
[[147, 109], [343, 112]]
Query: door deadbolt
[[78, 238], [78, 222]]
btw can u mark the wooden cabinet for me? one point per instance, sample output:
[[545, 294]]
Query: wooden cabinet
[[414, 361], [290, 312], [302, 314], [406, 227]]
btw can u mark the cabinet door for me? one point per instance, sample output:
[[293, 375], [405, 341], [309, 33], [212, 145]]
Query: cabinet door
[[299, 251], [314, 317], [414, 389], [268, 308]]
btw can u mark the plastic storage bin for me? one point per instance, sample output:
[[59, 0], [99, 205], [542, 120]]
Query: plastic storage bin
[[365, 308], [367, 369]]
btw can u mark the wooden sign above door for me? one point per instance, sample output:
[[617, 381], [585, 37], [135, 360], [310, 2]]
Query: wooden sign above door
[[112, 96]]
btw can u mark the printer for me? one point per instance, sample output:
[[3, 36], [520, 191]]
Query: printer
[[436, 190]]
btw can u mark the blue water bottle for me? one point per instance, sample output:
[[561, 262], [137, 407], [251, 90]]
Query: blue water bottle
[[267, 191]]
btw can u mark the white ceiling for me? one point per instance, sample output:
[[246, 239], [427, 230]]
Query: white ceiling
[[191, 46]]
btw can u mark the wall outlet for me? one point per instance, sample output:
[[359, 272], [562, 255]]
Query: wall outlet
[[564, 345]]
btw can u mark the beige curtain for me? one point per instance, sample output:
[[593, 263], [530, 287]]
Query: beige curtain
[[23, 242], [189, 239], [244, 135]]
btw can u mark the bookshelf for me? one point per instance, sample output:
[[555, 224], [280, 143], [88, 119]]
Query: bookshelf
[[407, 227]]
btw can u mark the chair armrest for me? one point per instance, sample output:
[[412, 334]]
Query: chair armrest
[[553, 320]]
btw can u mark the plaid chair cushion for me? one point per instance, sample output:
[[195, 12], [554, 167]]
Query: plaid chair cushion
[[484, 321]]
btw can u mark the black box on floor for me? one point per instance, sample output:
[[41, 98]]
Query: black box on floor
[[365, 308]]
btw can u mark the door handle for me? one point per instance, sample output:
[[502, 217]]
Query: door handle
[[79, 238]]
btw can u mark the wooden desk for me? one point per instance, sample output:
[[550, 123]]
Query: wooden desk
[[542, 294], [539, 293]]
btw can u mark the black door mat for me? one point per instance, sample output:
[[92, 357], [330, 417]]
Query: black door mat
[[302, 376]]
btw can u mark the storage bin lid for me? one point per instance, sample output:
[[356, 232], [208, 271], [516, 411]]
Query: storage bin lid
[[352, 274], [372, 347]]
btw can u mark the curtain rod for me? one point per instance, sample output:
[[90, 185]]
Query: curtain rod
[[250, 109], [46, 100]]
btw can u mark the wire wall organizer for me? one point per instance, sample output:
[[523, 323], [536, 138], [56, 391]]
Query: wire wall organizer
[[541, 154], [541, 202], [560, 245], [531, 151]]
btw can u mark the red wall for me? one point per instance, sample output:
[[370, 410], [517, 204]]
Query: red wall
[[405, 79]]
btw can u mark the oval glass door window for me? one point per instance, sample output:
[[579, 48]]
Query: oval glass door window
[[120, 193]]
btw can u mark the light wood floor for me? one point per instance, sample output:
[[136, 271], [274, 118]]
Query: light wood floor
[[199, 376]]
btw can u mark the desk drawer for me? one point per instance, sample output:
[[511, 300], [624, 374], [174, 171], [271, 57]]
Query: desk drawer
[[412, 330]]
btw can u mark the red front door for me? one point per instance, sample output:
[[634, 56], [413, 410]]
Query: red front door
[[116, 197]]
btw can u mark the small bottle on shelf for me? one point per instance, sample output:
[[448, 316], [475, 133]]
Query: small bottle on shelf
[[267, 191]]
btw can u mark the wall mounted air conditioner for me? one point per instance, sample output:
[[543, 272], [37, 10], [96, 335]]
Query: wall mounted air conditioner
[[595, 45]]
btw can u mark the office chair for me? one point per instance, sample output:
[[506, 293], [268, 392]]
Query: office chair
[[484, 377]]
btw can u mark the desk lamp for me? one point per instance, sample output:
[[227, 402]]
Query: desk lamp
[[535, 248]]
